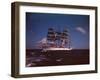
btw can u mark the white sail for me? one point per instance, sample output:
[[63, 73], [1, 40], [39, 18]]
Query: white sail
[[57, 40]]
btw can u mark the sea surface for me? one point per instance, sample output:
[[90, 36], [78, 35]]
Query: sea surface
[[36, 58]]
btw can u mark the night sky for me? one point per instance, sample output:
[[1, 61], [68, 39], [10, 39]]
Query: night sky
[[37, 25]]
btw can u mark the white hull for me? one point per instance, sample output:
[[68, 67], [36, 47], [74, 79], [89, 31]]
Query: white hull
[[57, 49]]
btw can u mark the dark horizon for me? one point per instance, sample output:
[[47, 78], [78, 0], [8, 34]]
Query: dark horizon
[[41, 49]]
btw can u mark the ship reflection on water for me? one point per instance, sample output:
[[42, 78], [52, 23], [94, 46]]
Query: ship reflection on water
[[36, 58]]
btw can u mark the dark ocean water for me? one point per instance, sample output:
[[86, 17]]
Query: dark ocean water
[[54, 58]]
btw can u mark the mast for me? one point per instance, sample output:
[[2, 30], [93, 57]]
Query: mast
[[58, 39], [64, 38], [51, 37]]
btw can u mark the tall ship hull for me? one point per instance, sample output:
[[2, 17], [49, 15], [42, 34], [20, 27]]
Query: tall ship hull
[[57, 49]]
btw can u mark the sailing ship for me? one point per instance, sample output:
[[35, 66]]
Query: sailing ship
[[57, 40]]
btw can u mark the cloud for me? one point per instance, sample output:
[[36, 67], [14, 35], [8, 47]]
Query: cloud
[[43, 40], [80, 29]]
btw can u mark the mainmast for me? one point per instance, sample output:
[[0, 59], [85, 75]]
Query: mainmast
[[64, 38]]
